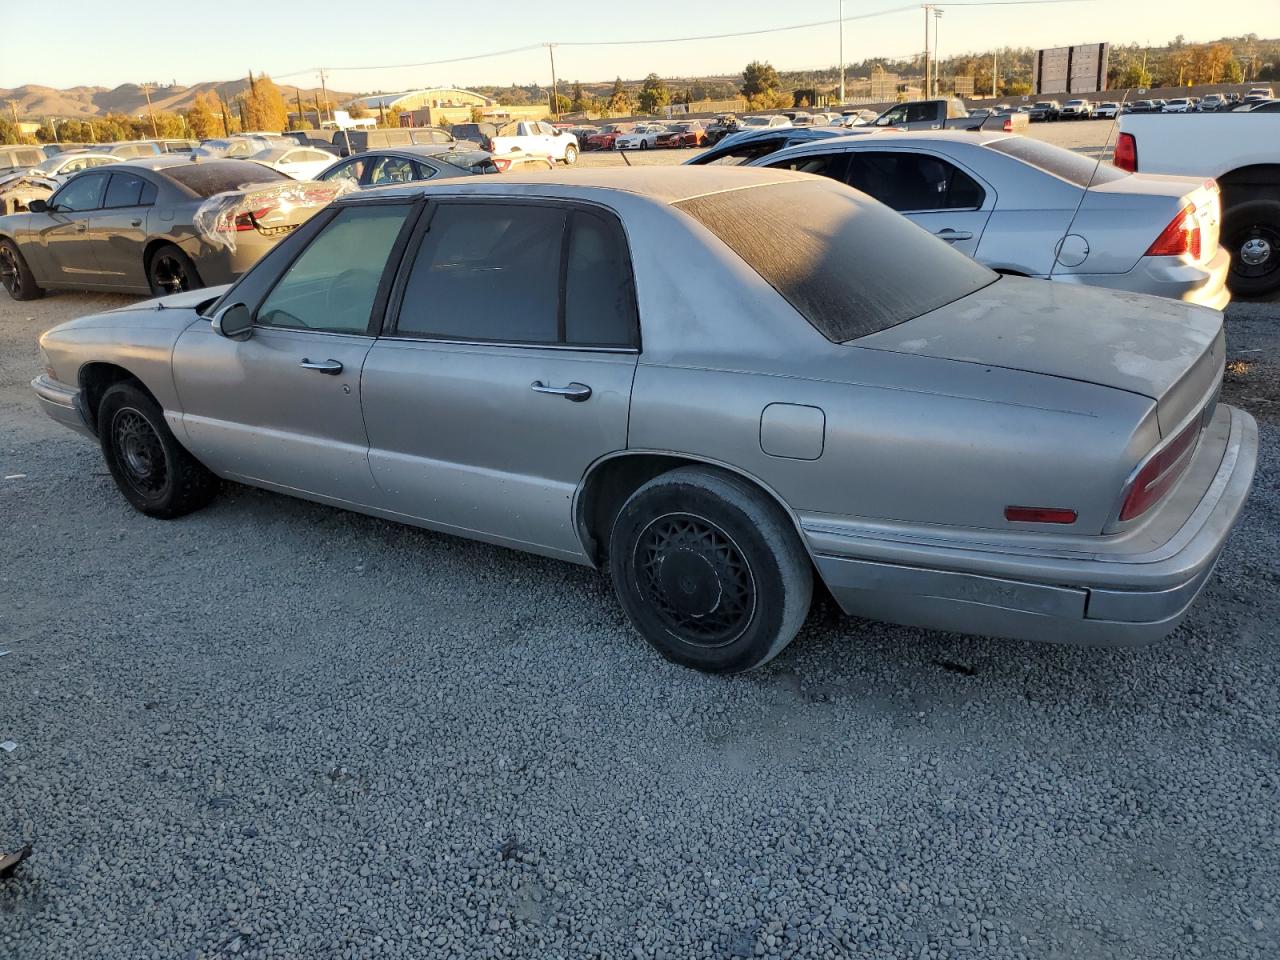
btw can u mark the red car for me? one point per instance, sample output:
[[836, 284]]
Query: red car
[[607, 135], [683, 135]]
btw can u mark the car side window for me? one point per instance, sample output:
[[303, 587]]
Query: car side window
[[391, 170], [422, 171], [746, 153], [913, 182], [599, 300], [487, 271], [124, 190], [351, 170], [333, 283], [82, 193], [831, 165]]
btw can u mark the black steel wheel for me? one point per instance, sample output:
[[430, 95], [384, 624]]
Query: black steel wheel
[[1251, 232], [15, 275], [710, 570], [171, 271], [155, 473]]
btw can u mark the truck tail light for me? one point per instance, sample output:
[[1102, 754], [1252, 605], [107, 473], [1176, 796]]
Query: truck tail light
[[1157, 476], [1126, 157], [502, 163], [1181, 236]]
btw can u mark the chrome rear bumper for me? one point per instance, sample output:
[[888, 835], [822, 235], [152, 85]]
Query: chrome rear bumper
[[1102, 599], [62, 403]]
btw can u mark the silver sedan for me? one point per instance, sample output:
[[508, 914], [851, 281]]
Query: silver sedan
[[1026, 207], [524, 360]]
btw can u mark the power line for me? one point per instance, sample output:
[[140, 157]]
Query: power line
[[689, 39]]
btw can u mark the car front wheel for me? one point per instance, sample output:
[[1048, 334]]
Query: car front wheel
[[153, 471], [570, 155], [709, 570]]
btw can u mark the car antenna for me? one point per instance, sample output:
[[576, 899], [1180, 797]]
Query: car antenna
[[1115, 125]]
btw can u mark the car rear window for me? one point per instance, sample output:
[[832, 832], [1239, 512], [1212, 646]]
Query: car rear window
[[1063, 164], [851, 266], [206, 179]]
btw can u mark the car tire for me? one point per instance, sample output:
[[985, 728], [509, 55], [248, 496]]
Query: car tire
[[154, 472], [15, 274], [710, 570], [169, 271], [1251, 232], [570, 155], [644, 144]]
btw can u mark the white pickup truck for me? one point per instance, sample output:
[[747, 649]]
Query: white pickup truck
[[535, 137], [1241, 151]]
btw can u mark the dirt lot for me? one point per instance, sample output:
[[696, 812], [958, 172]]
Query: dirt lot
[[274, 729]]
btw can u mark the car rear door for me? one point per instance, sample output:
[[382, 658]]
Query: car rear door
[[930, 190], [505, 370], [119, 229], [282, 408]]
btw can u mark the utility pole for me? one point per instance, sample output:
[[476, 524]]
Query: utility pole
[[927, 8], [555, 90], [325, 91], [297, 96], [995, 76], [319, 120], [937, 63], [226, 124], [146, 89], [841, 2]]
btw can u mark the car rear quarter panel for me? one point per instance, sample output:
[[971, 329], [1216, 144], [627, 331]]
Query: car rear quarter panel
[[907, 438]]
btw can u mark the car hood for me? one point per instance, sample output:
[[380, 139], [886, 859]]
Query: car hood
[[1169, 351]]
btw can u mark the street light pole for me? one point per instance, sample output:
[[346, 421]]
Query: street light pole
[[555, 90], [927, 8], [937, 63]]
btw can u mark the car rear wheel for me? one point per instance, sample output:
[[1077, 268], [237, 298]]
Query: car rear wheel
[[1251, 231], [153, 471], [171, 271], [709, 570], [570, 155], [644, 144], [15, 274]]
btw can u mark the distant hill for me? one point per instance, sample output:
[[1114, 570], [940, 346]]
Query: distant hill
[[36, 102]]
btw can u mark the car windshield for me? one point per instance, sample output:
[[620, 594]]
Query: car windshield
[[218, 176], [849, 265], [1044, 105], [1064, 164], [52, 164], [756, 121], [462, 159]]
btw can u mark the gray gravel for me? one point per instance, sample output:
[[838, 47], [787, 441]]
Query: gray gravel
[[273, 729]]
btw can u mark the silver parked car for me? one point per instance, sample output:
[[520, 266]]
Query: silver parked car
[[1026, 207], [841, 396]]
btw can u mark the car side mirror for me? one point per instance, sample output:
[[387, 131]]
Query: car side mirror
[[234, 322], [38, 206]]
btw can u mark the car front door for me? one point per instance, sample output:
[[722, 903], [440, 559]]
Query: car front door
[[929, 190], [281, 409], [119, 229], [506, 370], [63, 251]]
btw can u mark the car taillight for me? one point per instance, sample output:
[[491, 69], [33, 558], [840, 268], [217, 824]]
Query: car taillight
[[486, 144], [1182, 235], [1158, 475], [1126, 157], [249, 221], [502, 164]]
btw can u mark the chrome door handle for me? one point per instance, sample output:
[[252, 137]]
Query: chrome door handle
[[135, 223], [951, 236], [577, 392], [82, 228], [331, 367]]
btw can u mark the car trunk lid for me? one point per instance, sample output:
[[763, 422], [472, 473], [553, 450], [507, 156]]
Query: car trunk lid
[[1132, 211], [1169, 351]]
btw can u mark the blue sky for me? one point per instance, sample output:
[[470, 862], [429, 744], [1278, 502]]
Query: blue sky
[[95, 48]]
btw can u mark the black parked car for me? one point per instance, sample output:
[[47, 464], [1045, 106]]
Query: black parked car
[[1045, 110]]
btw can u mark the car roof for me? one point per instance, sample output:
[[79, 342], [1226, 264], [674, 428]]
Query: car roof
[[668, 185], [411, 150]]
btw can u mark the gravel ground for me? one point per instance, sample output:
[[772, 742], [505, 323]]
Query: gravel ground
[[273, 729]]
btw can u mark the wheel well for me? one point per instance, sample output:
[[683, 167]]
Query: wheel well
[[150, 251], [1258, 182], [608, 486], [96, 379]]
